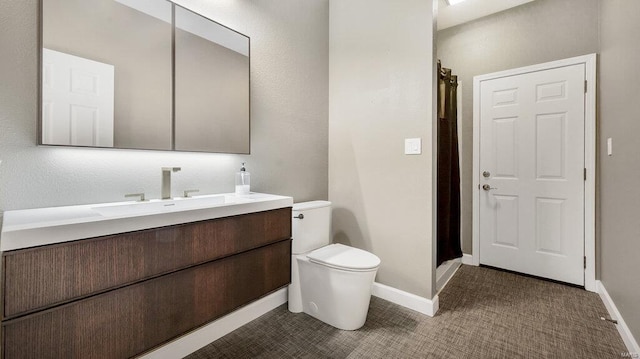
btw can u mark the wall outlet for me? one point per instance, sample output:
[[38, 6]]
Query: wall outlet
[[412, 146]]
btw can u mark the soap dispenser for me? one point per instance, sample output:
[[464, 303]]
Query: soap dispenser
[[242, 181]]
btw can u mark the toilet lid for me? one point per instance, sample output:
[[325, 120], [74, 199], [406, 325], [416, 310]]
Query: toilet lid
[[344, 257]]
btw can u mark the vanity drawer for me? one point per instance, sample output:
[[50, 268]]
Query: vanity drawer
[[128, 321], [41, 277]]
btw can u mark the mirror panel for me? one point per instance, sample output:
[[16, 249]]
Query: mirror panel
[[211, 86], [106, 73]]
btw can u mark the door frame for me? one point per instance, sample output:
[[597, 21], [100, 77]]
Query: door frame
[[589, 156]]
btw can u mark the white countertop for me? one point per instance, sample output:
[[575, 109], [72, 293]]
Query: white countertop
[[41, 226]]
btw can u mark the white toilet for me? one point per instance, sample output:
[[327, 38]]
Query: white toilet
[[331, 282]]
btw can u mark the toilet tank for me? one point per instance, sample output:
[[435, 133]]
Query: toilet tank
[[312, 231]]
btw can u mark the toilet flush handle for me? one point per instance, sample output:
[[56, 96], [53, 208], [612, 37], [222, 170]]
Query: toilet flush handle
[[300, 216]]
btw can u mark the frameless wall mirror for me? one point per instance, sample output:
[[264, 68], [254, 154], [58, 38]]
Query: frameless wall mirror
[[141, 74]]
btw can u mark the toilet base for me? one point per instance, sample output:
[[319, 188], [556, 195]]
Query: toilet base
[[337, 297]]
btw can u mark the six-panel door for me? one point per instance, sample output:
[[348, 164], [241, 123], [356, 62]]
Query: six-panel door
[[531, 173]]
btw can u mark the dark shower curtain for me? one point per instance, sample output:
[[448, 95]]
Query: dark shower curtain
[[448, 181]]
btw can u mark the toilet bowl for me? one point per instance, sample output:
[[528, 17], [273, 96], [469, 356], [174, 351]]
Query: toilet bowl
[[331, 282]]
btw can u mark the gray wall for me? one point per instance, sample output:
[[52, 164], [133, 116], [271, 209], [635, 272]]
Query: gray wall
[[381, 89], [618, 176], [540, 31], [289, 79]]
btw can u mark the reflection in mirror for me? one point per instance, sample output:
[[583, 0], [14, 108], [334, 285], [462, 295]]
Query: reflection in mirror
[[211, 86], [106, 73]]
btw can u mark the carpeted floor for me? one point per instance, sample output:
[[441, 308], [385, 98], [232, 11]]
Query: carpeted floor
[[484, 313]]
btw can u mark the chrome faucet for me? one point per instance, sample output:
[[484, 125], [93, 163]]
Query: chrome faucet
[[166, 181]]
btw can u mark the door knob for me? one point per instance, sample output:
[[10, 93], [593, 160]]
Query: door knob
[[486, 187]]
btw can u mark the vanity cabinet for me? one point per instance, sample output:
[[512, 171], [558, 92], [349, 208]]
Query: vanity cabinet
[[121, 295]]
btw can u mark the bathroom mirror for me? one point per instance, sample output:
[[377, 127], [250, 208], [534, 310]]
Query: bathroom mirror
[[211, 86], [106, 73], [119, 74]]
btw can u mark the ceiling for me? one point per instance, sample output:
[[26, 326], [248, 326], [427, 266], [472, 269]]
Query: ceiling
[[469, 10]]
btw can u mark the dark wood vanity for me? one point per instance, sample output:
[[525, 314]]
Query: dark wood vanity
[[121, 295]]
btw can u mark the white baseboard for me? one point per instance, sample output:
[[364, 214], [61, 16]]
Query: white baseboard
[[623, 329], [445, 271], [197, 339], [467, 259], [406, 299]]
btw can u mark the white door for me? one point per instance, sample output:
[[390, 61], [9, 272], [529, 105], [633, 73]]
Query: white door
[[532, 130], [77, 100]]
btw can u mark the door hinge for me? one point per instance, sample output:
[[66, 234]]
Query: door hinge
[[585, 262], [585, 86], [585, 174]]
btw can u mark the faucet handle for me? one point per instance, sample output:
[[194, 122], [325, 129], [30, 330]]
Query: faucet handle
[[172, 169], [187, 192], [141, 195]]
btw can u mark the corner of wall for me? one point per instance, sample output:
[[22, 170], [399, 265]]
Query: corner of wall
[[381, 92]]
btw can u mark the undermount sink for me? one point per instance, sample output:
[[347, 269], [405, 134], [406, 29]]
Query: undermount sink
[[171, 205]]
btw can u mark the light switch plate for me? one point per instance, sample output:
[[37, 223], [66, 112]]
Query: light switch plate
[[609, 146], [412, 146]]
